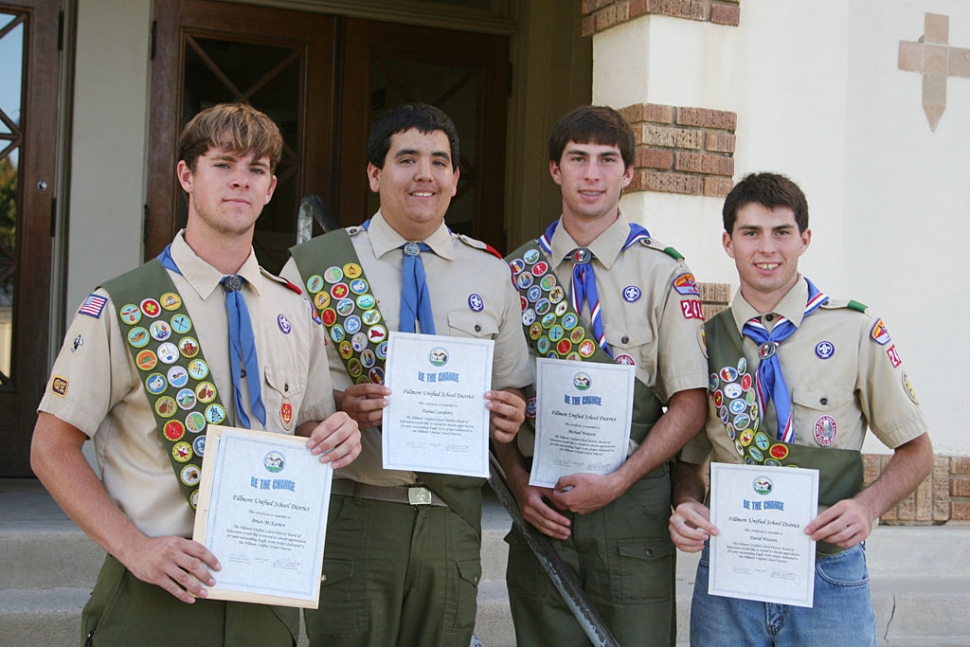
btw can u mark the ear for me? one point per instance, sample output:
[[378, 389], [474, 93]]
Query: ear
[[269, 192], [627, 176], [184, 174], [555, 172], [728, 244], [454, 183], [806, 237], [374, 177]]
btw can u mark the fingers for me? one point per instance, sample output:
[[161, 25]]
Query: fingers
[[365, 403], [544, 518], [175, 564], [507, 414], [336, 440], [690, 527]]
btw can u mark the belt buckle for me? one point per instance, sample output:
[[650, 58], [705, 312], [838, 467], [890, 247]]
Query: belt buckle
[[419, 495]]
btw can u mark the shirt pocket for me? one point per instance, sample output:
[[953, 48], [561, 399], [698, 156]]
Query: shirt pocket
[[282, 397], [822, 413], [636, 340], [472, 324]]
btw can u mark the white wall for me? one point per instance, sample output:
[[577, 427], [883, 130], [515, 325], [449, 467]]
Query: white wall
[[819, 98], [108, 144]]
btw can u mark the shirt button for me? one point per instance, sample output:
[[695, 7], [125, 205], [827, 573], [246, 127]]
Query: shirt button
[[478, 328], [625, 340], [769, 317], [823, 401], [649, 553]]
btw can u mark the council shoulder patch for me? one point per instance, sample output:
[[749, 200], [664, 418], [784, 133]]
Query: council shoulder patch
[[879, 333]]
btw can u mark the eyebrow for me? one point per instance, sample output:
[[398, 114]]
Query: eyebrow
[[760, 228], [406, 152]]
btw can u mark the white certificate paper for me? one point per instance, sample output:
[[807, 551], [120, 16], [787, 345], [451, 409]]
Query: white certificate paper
[[436, 420], [761, 552], [583, 415], [262, 511]]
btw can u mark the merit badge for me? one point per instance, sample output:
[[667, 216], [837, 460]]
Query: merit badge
[[170, 301], [535, 331], [160, 330], [534, 294], [337, 333], [910, 391], [198, 445], [762, 441], [561, 308], [577, 335], [185, 399], [214, 414], [692, 309], [205, 392], [530, 408], [625, 359], [146, 360], [548, 282], [824, 349], [737, 406], [168, 353], [151, 308], [329, 317], [587, 348], [741, 422], [177, 377], [755, 454], [78, 342], [742, 365], [156, 384], [543, 306], [557, 294], [165, 407], [321, 300], [523, 280], [314, 284], [475, 303], [182, 452], [739, 447], [366, 301], [354, 368], [130, 314], [724, 414], [59, 385], [352, 270], [382, 350], [879, 333], [333, 274], [345, 349], [517, 265], [564, 346], [729, 374], [540, 268], [531, 256], [745, 382], [181, 324], [556, 333], [376, 375], [358, 286], [138, 337], [371, 317], [718, 398], [548, 320], [376, 334], [189, 347], [174, 430], [569, 321], [345, 307], [779, 451], [352, 324], [190, 475], [713, 382], [542, 345], [685, 284], [368, 359], [284, 323], [195, 422], [93, 305], [825, 430], [528, 317], [732, 390], [631, 293], [198, 369], [358, 342], [339, 291], [746, 437], [894, 356], [286, 413]]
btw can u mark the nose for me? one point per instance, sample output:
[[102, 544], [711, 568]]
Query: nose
[[422, 170], [592, 171], [240, 177]]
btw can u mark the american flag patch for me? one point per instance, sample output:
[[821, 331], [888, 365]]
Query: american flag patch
[[93, 305]]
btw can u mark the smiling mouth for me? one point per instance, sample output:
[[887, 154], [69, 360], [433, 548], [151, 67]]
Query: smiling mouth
[[422, 194], [591, 194], [766, 266]]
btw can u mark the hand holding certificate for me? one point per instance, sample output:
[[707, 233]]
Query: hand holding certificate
[[436, 419], [583, 415], [262, 512], [760, 551]]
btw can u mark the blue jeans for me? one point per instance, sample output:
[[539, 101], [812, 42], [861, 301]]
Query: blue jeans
[[842, 612]]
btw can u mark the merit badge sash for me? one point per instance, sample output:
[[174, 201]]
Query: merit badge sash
[[173, 370], [555, 330], [733, 392], [344, 303]]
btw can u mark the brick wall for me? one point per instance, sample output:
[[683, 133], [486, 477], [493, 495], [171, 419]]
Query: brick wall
[[599, 15], [682, 150]]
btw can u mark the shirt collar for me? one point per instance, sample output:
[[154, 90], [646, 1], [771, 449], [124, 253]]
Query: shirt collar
[[606, 247], [204, 278], [384, 238], [791, 306]]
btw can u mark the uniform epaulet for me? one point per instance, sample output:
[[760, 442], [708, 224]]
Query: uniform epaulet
[[653, 243], [835, 304], [280, 280], [477, 244]]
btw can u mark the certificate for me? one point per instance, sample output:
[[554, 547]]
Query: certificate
[[760, 551], [262, 511], [436, 420], [583, 416]]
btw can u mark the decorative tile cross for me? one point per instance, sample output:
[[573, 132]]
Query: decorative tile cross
[[934, 58]]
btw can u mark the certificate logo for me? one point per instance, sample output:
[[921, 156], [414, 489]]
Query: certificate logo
[[581, 381], [438, 356], [763, 485], [274, 462]]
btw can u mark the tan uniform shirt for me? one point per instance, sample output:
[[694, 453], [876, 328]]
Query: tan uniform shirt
[[656, 324], [843, 374], [105, 395], [457, 268]]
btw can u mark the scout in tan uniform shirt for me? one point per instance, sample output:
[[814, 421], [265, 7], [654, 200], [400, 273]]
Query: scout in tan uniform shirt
[[843, 374], [394, 573], [152, 587], [611, 530]]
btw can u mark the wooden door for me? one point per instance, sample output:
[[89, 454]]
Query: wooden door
[[28, 145]]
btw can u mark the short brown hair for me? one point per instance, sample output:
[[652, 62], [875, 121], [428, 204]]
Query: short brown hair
[[770, 190], [593, 125], [238, 127]]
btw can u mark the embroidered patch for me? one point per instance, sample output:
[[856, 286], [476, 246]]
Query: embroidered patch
[[631, 293], [190, 475], [284, 324], [93, 305], [894, 356], [702, 339], [685, 284], [879, 333], [198, 446], [692, 309], [824, 349], [825, 430], [475, 303], [286, 413], [59, 386], [910, 391], [625, 359]]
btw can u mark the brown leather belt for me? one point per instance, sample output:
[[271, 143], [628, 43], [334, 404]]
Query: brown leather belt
[[409, 494]]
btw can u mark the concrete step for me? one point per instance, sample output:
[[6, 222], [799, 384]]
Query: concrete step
[[920, 577]]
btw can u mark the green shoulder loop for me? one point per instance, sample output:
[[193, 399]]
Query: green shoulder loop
[[653, 243], [851, 304]]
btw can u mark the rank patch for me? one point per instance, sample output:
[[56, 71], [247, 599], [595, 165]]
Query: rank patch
[[93, 305], [825, 430], [59, 386]]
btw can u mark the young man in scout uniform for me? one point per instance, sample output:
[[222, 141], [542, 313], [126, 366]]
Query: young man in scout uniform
[[202, 335], [402, 560], [809, 374], [638, 305]]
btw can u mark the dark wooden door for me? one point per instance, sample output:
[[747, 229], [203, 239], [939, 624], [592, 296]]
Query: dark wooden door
[[28, 145]]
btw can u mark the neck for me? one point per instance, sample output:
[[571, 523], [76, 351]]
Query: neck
[[766, 302], [222, 251], [585, 230]]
